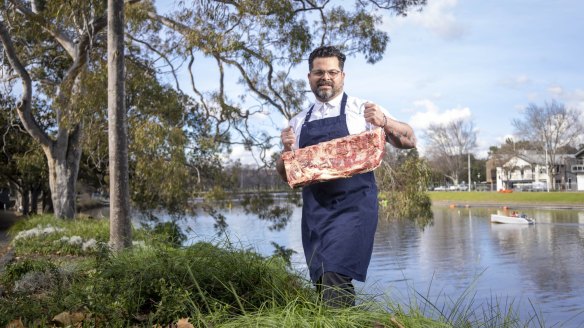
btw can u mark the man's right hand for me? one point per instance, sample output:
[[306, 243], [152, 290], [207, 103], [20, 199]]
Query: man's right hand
[[288, 138]]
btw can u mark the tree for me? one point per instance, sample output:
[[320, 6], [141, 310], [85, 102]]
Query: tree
[[449, 146], [48, 48], [21, 161], [258, 43], [550, 127], [55, 49], [120, 224], [63, 44], [171, 155], [403, 178]]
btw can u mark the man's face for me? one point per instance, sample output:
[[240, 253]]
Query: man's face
[[326, 78]]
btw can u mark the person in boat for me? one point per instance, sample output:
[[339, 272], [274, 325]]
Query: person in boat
[[339, 217]]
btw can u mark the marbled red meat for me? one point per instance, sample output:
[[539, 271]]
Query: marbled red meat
[[335, 159]]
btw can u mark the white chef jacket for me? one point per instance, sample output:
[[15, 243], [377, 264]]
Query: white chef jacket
[[354, 111]]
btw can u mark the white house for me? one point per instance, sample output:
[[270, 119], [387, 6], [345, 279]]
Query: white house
[[527, 171], [577, 168], [521, 170]]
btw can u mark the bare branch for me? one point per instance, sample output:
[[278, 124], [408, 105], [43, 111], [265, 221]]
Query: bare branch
[[163, 56], [24, 108]]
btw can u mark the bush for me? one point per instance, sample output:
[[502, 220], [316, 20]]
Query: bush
[[155, 285], [402, 181], [165, 283]]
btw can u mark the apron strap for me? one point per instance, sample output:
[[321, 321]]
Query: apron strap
[[343, 103]]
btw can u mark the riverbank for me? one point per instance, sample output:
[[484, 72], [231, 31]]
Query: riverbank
[[541, 200]]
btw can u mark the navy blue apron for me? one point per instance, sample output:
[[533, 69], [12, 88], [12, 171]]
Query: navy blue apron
[[339, 217]]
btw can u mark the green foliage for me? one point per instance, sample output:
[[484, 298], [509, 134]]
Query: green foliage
[[170, 148], [402, 181], [361, 27], [45, 234], [21, 159], [284, 253], [300, 313], [19, 269], [175, 140], [163, 284], [169, 232], [267, 208]]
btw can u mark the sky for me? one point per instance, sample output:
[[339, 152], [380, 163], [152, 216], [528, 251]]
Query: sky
[[483, 61], [479, 60]]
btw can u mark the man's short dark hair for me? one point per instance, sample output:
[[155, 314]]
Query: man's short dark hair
[[327, 51]]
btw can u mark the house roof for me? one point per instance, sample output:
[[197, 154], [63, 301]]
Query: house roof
[[532, 157]]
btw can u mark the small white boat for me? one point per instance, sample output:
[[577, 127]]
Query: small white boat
[[519, 219]]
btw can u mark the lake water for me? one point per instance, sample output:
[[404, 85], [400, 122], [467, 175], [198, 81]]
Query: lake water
[[538, 268]]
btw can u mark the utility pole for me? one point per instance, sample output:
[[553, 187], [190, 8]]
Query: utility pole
[[469, 183], [547, 169]]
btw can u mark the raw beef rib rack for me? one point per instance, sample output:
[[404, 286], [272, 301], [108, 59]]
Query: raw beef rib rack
[[335, 159]]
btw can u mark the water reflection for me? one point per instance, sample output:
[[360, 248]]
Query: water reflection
[[539, 264]]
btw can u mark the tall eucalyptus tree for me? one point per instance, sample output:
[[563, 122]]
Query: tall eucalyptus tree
[[120, 223], [258, 43], [47, 45], [53, 48]]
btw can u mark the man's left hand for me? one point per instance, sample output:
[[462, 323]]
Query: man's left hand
[[373, 114]]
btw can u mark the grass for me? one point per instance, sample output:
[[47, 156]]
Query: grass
[[560, 198], [160, 283]]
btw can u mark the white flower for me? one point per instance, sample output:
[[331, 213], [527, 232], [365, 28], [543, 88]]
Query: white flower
[[75, 240], [139, 243], [89, 245], [38, 231]]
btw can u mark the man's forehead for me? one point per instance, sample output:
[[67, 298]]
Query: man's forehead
[[326, 61]]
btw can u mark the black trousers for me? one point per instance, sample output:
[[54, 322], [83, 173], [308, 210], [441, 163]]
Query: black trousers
[[336, 290]]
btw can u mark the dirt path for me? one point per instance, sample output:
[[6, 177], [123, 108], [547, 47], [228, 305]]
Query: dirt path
[[7, 218]]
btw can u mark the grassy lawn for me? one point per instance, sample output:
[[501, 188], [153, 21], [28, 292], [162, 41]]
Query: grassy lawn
[[515, 197]]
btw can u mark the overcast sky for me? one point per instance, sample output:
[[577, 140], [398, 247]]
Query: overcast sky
[[475, 59]]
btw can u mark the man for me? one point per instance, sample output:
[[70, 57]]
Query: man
[[339, 217]]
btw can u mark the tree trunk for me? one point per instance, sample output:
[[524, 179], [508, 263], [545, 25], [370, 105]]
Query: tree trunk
[[62, 180], [25, 201], [120, 224], [63, 160], [64, 152], [34, 200], [47, 203]]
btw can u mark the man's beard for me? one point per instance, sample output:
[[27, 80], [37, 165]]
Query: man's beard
[[326, 94]]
